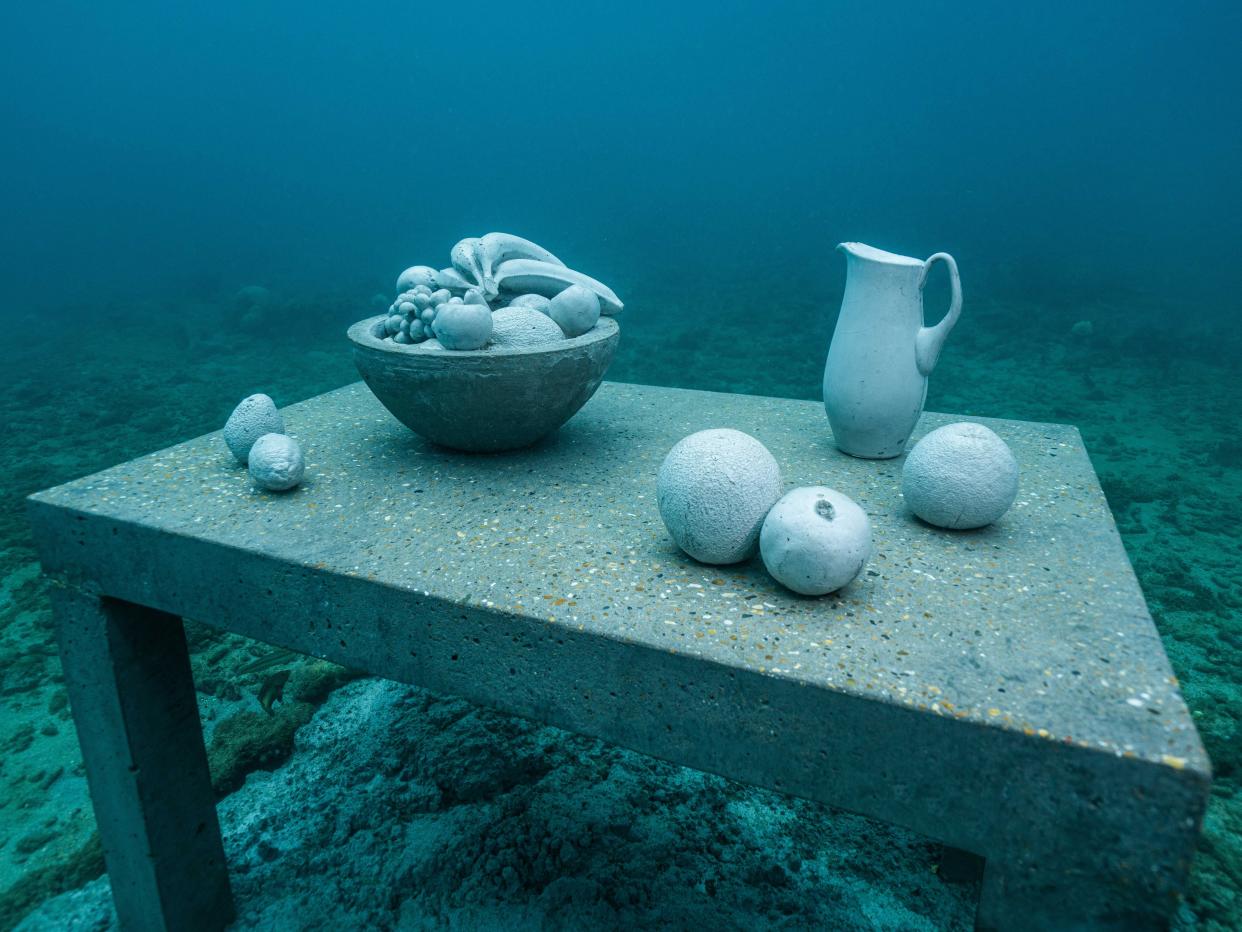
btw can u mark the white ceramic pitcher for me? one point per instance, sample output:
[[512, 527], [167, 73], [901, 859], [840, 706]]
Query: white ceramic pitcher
[[875, 380]]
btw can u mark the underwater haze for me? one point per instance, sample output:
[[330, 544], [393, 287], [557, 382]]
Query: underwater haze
[[1080, 161], [152, 146]]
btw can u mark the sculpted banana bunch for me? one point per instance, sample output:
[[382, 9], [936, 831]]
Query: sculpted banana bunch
[[530, 276], [502, 261]]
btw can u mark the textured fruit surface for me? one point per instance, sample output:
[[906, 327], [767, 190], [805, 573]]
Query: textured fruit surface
[[714, 490], [960, 476], [815, 540]]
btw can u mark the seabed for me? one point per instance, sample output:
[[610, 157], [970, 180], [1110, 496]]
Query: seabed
[[380, 804]]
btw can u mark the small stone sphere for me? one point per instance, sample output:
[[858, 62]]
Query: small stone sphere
[[414, 276], [393, 324], [441, 296], [815, 540], [276, 462], [714, 489], [960, 476], [463, 326], [406, 307], [250, 420], [576, 310], [427, 314], [517, 327], [420, 301]]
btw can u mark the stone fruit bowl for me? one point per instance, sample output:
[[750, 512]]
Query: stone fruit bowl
[[483, 400]]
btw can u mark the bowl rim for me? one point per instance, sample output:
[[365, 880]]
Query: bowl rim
[[361, 334]]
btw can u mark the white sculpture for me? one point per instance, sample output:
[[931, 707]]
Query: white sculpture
[[463, 326], [523, 326], [714, 489], [537, 301], [960, 476], [523, 276], [476, 259], [576, 310], [492, 272], [416, 275], [875, 379], [815, 540], [276, 462]]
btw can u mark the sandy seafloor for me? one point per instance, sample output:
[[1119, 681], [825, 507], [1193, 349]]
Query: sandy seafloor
[[367, 804]]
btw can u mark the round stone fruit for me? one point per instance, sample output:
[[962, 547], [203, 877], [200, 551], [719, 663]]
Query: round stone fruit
[[815, 540], [463, 326], [276, 462], [714, 489], [960, 476], [576, 309]]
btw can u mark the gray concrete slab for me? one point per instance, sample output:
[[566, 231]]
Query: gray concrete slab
[[1003, 690]]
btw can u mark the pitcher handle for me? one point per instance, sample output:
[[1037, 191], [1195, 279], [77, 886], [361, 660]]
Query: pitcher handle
[[930, 340]]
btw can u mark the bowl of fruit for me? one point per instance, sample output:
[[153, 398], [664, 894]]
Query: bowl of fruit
[[492, 353]]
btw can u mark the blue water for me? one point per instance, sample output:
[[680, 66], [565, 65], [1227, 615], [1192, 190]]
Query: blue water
[[1080, 160], [1086, 144]]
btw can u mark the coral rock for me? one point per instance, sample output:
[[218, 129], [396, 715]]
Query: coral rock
[[250, 420]]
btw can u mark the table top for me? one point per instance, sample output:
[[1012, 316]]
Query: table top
[[1035, 624]]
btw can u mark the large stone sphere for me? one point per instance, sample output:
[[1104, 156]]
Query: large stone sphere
[[714, 489], [960, 476], [815, 540]]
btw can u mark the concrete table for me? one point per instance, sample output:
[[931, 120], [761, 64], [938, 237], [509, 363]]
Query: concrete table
[[1003, 690]]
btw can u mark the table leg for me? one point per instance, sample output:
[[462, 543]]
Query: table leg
[[127, 670]]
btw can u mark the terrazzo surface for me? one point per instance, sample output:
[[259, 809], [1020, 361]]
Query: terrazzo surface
[[1035, 624]]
